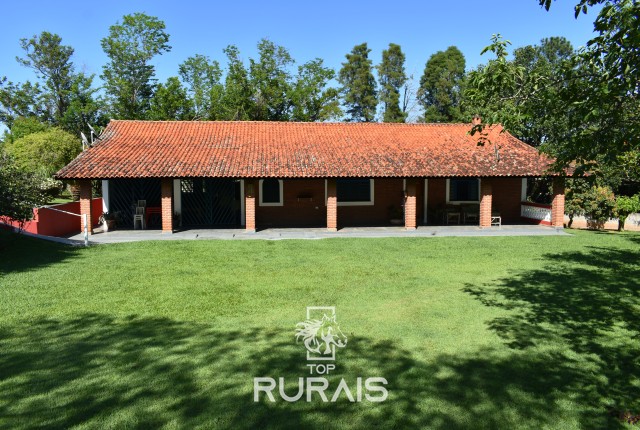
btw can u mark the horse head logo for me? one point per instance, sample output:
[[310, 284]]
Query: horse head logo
[[321, 337]]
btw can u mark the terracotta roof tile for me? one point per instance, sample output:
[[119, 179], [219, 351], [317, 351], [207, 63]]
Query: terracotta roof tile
[[130, 149]]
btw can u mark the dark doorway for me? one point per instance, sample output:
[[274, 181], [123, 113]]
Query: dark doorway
[[208, 202]]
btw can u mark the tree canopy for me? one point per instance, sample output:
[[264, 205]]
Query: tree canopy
[[359, 85], [440, 89]]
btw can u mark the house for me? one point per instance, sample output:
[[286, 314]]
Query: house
[[289, 174]]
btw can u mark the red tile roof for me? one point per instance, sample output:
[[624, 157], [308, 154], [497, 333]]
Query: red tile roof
[[133, 149]]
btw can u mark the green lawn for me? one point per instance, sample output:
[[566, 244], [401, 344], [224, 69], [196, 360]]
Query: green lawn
[[505, 332]]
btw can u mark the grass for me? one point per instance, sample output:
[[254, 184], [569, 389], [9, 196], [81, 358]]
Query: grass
[[506, 332]]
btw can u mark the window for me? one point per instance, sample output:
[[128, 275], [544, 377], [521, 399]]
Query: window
[[463, 190], [270, 192], [354, 191]]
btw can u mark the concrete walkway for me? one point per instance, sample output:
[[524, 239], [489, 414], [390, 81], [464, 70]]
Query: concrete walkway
[[117, 236]]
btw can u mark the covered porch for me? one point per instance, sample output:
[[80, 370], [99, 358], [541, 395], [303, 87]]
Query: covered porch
[[172, 204]]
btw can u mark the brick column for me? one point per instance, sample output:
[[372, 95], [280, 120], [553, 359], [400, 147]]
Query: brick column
[[557, 205], [85, 204], [410, 205], [250, 205], [332, 205], [166, 194], [486, 198]]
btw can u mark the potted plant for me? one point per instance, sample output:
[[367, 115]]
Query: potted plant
[[396, 215], [108, 221]]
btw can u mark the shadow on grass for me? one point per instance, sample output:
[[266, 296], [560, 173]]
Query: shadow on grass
[[585, 305], [96, 371], [19, 253]]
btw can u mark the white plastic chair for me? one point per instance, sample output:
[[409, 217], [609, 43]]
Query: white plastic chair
[[138, 216]]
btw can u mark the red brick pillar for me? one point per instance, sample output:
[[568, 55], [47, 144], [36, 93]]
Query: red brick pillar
[[557, 205], [410, 205], [166, 194], [486, 198], [332, 205], [85, 204], [250, 205]]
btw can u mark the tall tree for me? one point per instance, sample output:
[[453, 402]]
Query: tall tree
[[202, 77], [312, 97], [236, 102], [129, 74], [20, 100], [359, 85], [392, 77], [441, 86], [51, 60], [271, 82], [170, 102]]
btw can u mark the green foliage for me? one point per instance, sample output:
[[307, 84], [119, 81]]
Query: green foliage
[[20, 190], [625, 206], [597, 203], [237, 93], [170, 102], [128, 76], [21, 100], [359, 85], [22, 127], [270, 82], [392, 77], [44, 152], [441, 84], [202, 78], [52, 62], [312, 98]]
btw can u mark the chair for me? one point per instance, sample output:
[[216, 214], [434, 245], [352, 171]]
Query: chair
[[142, 203], [496, 219], [452, 215], [471, 214], [138, 216]]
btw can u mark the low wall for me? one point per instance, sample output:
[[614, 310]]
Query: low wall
[[50, 222], [632, 223]]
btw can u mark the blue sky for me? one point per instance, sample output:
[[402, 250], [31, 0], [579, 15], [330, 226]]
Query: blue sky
[[327, 29]]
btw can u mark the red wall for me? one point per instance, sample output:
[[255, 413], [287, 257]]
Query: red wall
[[52, 223]]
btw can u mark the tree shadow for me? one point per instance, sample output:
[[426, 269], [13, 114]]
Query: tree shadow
[[98, 371], [585, 305], [19, 253]]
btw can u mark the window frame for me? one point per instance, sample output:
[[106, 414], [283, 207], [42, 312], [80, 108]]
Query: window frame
[[370, 202], [281, 194], [455, 202]]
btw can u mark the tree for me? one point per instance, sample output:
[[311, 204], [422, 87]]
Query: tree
[[441, 86], [20, 100], [51, 60], [170, 102], [392, 77], [44, 152], [359, 85], [312, 99], [19, 190], [270, 81], [202, 77], [128, 76], [237, 103]]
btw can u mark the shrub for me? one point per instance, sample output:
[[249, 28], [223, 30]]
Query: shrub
[[626, 206]]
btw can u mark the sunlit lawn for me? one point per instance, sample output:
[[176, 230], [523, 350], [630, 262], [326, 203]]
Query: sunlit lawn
[[501, 332]]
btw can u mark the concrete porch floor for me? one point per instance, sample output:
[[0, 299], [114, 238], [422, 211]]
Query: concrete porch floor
[[117, 236]]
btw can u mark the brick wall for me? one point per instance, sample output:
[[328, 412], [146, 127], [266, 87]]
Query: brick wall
[[85, 204], [387, 192], [166, 197], [250, 189], [486, 200], [332, 205], [557, 205], [506, 198], [303, 205], [410, 205]]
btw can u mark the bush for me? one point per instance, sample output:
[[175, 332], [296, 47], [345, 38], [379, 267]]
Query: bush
[[596, 203], [45, 151], [626, 206], [19, 190]]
